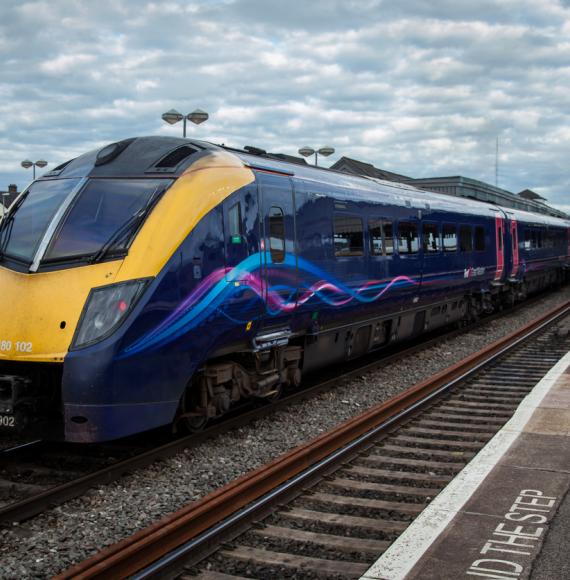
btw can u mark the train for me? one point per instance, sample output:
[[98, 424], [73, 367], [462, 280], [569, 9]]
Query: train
[[161, 282]]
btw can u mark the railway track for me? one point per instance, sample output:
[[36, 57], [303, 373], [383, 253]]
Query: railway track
[[36, 475], [329, 508]]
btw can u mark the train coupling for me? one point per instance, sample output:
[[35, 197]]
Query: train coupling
[[15, 402]]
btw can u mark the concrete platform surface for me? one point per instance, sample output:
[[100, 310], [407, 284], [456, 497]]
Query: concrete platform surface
[[507, 514]]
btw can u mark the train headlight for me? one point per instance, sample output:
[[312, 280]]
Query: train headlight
[[104, 311]]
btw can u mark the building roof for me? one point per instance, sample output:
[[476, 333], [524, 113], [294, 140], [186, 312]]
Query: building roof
[[361, 168], [457, 185], [529, 194]]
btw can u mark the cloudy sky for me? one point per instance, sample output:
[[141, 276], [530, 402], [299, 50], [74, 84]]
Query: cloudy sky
[[420, 87]]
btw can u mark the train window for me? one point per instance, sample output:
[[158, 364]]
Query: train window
[[388, 238], [105, 217], [276, 234], [348, 236], [376, 237], [479, 239], [431, 239], [465, 239], [234, 219], [408, 242], [449, 238], [527, 240]]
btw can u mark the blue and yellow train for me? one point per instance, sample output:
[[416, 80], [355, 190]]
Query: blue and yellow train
[[160, 281]]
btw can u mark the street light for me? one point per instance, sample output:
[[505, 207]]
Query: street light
[[173, 116], [26, 164], [324, 151]]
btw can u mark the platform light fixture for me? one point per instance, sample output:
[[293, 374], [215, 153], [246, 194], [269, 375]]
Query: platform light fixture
[[26, 164], [173, 116], [324, 151]]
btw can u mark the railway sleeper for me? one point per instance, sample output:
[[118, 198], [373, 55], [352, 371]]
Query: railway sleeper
[[346, 525], [269, 564], [425, 479], [307, 543]]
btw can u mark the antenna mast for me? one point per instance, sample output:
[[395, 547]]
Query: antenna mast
[[497, 163]]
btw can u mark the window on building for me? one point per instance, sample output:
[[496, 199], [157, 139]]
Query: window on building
[[408, 242], [431, 239], [348, 236], [449, 238], [465, 239], [276, 234], [479, 239]]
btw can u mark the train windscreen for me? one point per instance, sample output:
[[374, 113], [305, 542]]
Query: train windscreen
[[100, 220], [104, 217], [25, 227]]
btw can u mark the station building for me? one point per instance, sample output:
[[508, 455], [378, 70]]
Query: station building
[[8, 196], [457, 185]]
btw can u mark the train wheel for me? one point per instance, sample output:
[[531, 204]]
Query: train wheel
[[191, 416]]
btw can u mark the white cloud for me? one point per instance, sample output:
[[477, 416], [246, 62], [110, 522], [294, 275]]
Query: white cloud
[[419, 87]]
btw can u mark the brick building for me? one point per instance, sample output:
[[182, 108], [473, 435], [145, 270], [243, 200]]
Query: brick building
[[7, 197]]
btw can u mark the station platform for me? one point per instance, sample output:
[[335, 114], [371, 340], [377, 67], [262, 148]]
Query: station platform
[[507, 514]]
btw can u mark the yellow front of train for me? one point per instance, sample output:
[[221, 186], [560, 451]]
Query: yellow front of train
[[77, 250]]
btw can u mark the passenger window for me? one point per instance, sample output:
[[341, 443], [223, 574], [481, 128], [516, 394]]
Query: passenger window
[[465, 239], [527, 240], [388, 238], [407, 238], [449, 238], [431, 241], [276, 234], [348, 236], [479, 239], [234, 219], [376, 237]]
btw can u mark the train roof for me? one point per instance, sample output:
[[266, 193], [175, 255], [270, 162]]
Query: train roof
[[169, 157], [539, 219], [356, 188]]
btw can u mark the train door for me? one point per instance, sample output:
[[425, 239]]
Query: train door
[[278, 253], [514, 248], [500, 246], [406, 268], [240, 226]]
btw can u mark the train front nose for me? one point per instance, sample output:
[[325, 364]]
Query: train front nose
[[39, 314]]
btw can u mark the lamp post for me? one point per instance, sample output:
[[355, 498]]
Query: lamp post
[[26, 164], [324, 151], [173, 116]]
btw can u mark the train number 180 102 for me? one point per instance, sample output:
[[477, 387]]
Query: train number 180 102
[[20, 346]]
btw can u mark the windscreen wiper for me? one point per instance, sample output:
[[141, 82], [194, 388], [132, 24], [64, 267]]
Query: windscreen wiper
[[132, 224]]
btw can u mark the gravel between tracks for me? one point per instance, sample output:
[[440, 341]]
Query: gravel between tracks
[[67, 534]]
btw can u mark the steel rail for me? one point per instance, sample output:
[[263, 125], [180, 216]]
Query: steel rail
[[154, 548]]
